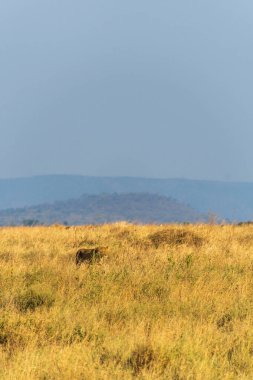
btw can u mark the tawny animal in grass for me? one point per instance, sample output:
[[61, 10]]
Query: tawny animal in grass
[[89, 255]]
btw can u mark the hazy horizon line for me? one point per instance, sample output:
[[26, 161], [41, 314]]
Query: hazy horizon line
[[126, 177]]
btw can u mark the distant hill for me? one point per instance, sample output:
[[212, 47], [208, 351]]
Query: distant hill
[[233, 201], [89, 209]]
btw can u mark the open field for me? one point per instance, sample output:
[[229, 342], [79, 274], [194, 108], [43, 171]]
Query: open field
[[168, 302]]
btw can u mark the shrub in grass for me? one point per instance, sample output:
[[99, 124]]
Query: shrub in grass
[[31, 299], [173, 236], [10, 337], [38, 276], [225, 322], [3, 338], [141, 357], [78, 334]]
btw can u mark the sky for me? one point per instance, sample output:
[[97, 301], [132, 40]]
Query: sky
[[144, 88]]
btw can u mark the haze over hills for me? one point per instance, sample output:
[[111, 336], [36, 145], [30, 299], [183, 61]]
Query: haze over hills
[[105, 208], [229, 200]]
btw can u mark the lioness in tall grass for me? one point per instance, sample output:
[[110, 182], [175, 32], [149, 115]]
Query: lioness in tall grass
[[89, 255]]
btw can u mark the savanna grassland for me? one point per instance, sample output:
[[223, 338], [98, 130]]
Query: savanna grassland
[[167, 302]]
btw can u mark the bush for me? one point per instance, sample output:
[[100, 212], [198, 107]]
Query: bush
[[175, 237], [10, 337], [141, 357], [31, 299]]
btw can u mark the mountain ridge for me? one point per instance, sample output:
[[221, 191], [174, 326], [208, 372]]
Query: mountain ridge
[[104, 208], [229, 200]]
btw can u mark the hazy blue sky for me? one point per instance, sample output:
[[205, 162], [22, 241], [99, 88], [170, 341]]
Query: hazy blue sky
[[134, 88]]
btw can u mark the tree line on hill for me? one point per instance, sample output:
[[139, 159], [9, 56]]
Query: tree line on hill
[[104, 208]]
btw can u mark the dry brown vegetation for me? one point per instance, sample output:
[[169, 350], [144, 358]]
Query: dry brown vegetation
[[167, 302]]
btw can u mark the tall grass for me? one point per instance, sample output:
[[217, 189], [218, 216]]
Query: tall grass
[[167, 302]]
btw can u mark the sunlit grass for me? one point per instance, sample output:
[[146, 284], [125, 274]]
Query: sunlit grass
[[167, 302]]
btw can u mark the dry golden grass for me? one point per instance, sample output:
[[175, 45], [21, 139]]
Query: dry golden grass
[[168, 302]]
